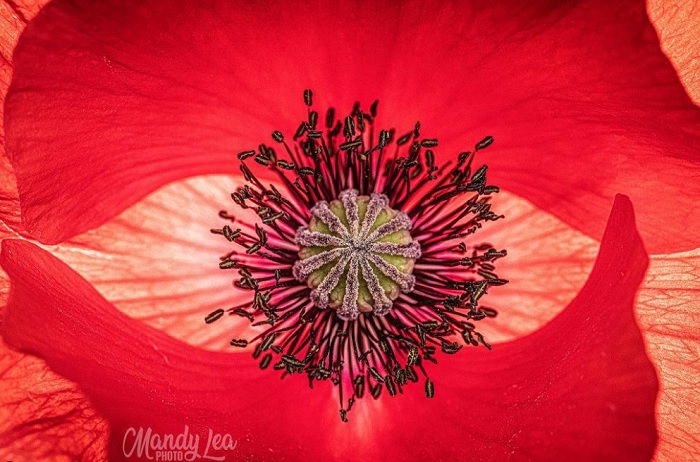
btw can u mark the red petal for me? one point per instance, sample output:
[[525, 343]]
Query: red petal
[[668, 309], [13, 18], [579, 112], [582, 102], [581, 387], [9, 200], [44, 416]]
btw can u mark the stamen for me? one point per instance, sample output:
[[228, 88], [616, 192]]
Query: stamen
[[363, 268]]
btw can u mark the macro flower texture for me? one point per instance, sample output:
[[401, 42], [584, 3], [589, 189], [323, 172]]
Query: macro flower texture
[[392, 230]]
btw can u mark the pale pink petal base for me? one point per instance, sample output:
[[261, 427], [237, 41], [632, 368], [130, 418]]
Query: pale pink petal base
[[158, 261], [547, 264]]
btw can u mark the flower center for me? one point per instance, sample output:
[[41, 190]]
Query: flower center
[[362, 268], [357, 254]]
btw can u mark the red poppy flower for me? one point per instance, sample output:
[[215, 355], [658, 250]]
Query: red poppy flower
[[109, 279]]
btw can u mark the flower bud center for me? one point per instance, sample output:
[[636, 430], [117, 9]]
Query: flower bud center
[[357, 254]]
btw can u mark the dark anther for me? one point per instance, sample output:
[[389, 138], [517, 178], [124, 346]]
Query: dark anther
[[308, 97], [375, 375], [313, 119], [245, 154], [330, 117], [265, 361], [483, 144], [404, 139], [351, 144], [214, 316], [349, 130], [267, 343], [227, 264], [373, 108], [429, 388]]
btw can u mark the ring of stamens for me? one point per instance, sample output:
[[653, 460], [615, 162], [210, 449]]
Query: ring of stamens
[[340, 167], [357, 254]]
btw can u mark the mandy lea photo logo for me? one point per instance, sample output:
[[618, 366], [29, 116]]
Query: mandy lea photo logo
[[143, 443]]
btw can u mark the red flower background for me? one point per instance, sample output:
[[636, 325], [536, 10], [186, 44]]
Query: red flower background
[[113, 108]]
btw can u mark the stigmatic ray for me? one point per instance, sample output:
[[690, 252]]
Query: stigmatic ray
[[362, 264]]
